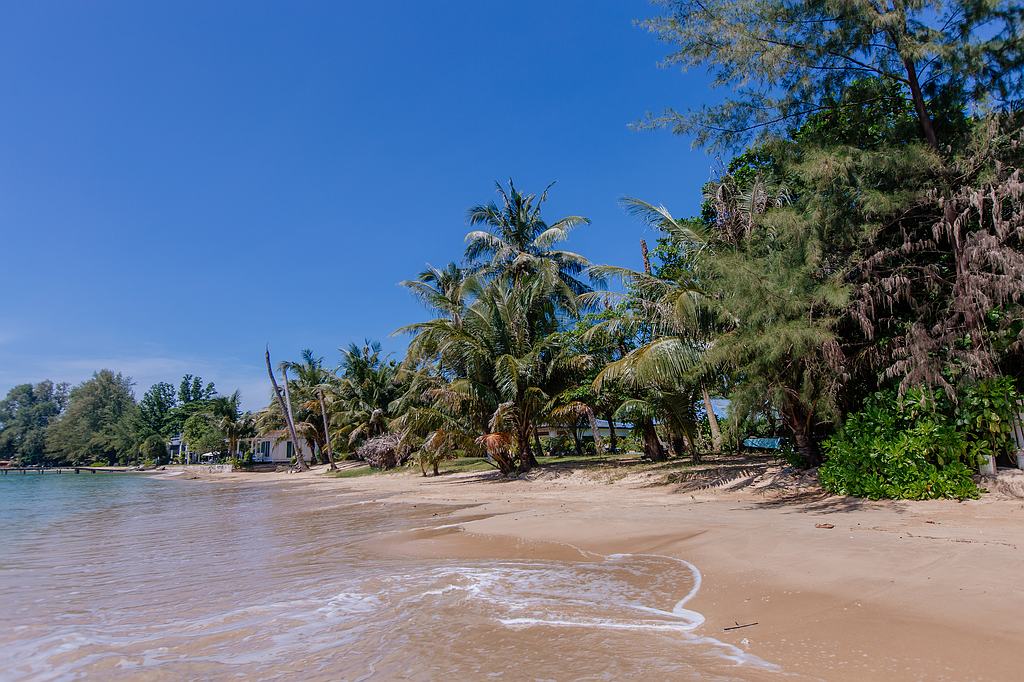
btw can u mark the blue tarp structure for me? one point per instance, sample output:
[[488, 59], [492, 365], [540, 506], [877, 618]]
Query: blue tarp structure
[[763, 443]]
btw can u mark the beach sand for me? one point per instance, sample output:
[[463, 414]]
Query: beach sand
[[839, 588]]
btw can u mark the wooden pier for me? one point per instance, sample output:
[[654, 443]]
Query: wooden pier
[[61, 470]]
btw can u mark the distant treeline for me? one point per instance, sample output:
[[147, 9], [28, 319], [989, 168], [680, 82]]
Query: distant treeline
[[99, 420]]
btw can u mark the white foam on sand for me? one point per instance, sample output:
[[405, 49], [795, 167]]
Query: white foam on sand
[[680, 619]]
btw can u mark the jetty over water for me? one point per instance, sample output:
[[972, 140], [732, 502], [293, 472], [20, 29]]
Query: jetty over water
[[67, 469]]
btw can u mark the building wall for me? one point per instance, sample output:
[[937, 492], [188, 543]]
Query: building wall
[[272, 450]]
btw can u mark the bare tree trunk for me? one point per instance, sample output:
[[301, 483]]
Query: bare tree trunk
[[286, 411], [798, 422], [327, 431], [613, 438], [716, 432], [436, 464], [536, 441], [927, 129], [647, 258], [299, 457]]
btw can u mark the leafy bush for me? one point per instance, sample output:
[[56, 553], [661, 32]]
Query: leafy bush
[[630, 443], [986, 413], [431, 458], [558, 446], [243, 463], [909, 450], [792, 456]]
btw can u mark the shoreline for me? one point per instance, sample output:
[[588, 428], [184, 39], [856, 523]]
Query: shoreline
[[939, 575]]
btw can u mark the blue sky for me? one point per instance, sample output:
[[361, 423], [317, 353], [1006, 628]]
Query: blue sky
[[184, 182]]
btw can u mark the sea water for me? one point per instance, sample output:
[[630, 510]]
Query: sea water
[[123, 576]]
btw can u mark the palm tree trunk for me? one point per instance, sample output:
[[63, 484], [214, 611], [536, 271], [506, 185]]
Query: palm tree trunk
[[613, 438], [526, 459], [716, 432], [576, 441], [652, 444], [536, 441], [327, 432], [286, 411], [598, 443], [691, 446]]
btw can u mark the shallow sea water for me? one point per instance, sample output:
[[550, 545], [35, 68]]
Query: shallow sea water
[[114, 577]]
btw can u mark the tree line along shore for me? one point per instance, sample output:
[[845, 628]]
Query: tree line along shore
[[851, 284]]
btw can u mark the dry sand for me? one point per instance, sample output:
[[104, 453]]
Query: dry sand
[[840, 589]]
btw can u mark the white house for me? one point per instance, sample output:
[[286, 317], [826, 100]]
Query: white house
[[275, 447], [603, 429]]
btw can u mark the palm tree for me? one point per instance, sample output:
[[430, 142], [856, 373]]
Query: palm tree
[[306, 387], [230, 420], [499, 362], [363, 396], [445, 291], [517, 242]]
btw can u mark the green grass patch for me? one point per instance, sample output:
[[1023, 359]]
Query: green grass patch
[[465, 465], [354, 472], [587, 460]]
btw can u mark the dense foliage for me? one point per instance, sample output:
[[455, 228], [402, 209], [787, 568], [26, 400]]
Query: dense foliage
[[893, 449], [919, 446]]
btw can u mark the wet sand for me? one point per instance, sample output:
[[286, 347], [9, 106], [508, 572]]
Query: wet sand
[[892, 590]]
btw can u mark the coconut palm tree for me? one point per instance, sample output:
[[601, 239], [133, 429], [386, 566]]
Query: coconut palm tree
[[311, 379], [499, 360], [517, 242], [362, 399], [445, 291], [230, 420]]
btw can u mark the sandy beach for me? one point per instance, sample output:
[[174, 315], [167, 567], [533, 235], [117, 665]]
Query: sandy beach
[[839, 588]]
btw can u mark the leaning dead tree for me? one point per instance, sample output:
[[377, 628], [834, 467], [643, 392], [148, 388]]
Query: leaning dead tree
[[327, 430], [286, 410]]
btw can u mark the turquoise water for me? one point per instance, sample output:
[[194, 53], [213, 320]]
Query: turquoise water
[[112, 577]]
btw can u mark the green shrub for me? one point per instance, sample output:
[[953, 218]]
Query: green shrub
[[243, 463], [985, 414], [792, 456], [560, 445], [431, 458], [909, 450], [630, 443]]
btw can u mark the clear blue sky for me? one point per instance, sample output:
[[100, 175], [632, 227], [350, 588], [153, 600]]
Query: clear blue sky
[[184, 182]]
